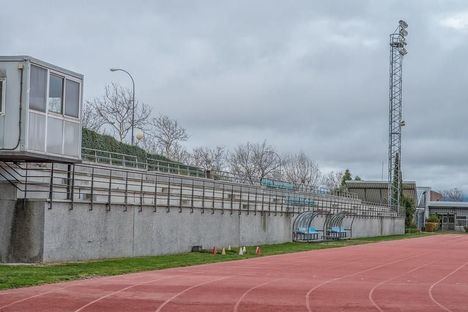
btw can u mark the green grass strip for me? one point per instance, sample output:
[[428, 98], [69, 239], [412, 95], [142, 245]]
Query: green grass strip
[[14, 276]]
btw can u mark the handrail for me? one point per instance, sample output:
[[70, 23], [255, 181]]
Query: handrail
[[113, 185]]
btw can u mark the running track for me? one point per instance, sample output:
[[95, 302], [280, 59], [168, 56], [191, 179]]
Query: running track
[[422, 274]]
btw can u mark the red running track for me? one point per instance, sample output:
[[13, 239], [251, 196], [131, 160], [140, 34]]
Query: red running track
[[421, 274]]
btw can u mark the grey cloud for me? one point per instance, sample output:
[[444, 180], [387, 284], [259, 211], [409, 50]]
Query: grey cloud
[[305, 75]]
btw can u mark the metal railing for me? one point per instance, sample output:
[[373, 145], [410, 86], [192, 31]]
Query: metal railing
[[113, 186], [132, 161], [153, 164]]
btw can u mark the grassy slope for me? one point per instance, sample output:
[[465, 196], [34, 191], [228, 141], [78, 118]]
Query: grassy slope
[[13, 276]]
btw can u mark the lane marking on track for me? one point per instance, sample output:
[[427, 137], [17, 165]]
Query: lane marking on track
[[188, 289], [353, 274], [440, 281], [371, 292], [119, 291], [236, 306], [75, 283], [369, 269]]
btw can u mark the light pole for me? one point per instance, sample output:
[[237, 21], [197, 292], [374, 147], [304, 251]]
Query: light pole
[[133, 98]]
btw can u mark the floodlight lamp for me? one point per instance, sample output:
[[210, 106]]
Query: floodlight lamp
[[139, 134], [402, 123], [403, 32], [403, 51], [403, 24], [113, 69]]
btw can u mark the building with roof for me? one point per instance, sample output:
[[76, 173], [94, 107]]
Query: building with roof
[[377, 191]]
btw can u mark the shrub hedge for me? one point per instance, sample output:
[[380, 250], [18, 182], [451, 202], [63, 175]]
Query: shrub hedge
[[94, 140]]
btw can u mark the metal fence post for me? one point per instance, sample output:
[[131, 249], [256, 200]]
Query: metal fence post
[[141, 194], [126, 191], [168, 208], [191, 199], [109, 191], [213, 199], [92, 189], [155, 194], [203, 198], [51, 186], [180, 195], [240, 201], [72, 195], [232, 199], [222, 201]]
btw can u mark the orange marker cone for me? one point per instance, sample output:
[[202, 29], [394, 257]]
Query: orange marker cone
[[258, 251]]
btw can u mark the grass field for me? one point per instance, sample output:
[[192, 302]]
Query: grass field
[[13, 276]]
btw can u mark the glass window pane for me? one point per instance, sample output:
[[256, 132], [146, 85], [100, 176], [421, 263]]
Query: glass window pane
[[38, 88], [72, 139], [72, 98], [54, 135], [55, 94], [36, 137]]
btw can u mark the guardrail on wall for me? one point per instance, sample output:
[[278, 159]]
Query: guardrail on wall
[[153, 164], [93, 184]]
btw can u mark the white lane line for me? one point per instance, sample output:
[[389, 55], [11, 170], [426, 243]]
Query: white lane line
[[238, 302], [440, 281], [119, 291], [186, 290], [371, 292]]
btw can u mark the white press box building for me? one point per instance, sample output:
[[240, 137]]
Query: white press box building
[[40, 107]]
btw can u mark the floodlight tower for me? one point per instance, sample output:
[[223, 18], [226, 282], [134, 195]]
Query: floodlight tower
[[397, 52]]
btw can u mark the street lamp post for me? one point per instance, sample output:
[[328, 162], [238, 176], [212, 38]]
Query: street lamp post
[[133, 99]]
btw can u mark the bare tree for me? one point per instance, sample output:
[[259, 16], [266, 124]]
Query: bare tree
[[454, 194], [213, 159], [115, 109], [90, 118], [252, 162], [301, 170], [165, 136], [333, 180]]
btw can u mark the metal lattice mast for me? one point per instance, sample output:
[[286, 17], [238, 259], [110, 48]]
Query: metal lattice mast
[[397, 52]]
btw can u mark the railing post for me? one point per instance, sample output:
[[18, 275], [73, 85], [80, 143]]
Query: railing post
[[26, 183], [92, 189], [126, 191], [240, 201], [248, 201], [72, 195], [180, 195], [255, 201], [168, 208], [222, 201], [51, 186], [263, 202], [155, 193], [191, 199], [142, 197], [109, 191], [213, 199], [203, 197], [232, 199]]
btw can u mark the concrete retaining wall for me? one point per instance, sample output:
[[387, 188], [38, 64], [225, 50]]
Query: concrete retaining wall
[[31, 232]]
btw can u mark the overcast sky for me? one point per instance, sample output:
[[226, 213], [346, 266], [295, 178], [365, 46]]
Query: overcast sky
[[304, 75]]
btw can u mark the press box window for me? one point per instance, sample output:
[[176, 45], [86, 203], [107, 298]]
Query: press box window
[[72, 98], [55, 94], [2, 95], [38, 88]]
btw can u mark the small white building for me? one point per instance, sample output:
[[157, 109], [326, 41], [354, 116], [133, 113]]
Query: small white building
[[40, 107]]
